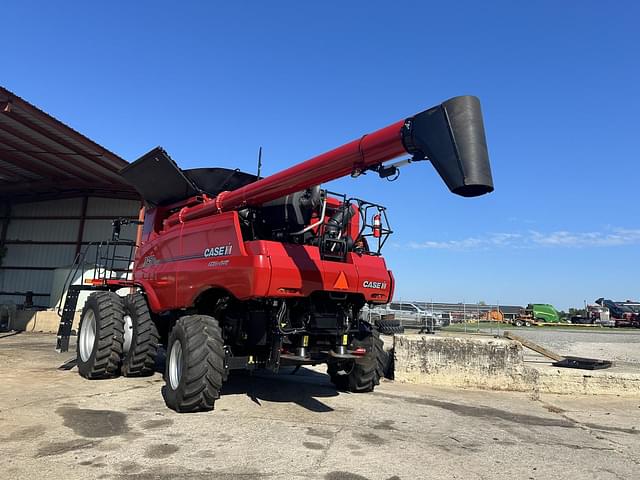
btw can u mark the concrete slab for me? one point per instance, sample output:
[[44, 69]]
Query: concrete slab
[[54, 424], [499, 364], [477, 362]]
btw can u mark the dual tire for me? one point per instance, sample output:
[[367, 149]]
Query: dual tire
[[101, 336], [116, 335], [119, 336], [140, 338]]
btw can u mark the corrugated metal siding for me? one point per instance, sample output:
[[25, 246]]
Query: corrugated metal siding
[[115, 207], [43, 230], [25, 280], [39, 256], [25, 255], [68, 206], [99, 230]]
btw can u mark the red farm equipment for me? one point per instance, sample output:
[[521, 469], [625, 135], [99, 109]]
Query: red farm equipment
[[233, 271]]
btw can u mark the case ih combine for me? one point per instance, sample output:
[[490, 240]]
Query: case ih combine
[[233, 271]]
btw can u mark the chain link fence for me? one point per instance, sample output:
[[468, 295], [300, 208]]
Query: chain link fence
[[429, 316]]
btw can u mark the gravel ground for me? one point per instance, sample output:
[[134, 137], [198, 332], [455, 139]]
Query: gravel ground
[[622, 347]]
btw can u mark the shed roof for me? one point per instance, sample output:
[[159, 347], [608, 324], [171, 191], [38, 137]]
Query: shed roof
[[41, 157]]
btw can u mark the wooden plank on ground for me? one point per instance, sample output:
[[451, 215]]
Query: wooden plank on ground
[[534, 346]]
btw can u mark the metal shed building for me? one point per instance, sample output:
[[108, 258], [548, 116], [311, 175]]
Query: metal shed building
[[59, 191]]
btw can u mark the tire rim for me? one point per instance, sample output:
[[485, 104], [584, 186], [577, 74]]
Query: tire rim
[[175, 364], [87, 335], [128, 333]]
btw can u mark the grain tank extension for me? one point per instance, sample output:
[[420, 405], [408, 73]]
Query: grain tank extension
[[238, 272]]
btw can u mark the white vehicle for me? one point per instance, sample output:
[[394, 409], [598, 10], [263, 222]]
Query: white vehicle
[[600, 315], [409, 315]]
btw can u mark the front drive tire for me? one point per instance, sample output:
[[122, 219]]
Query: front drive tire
[[100, 336], [195, 364], [140, 337], [363, 374]]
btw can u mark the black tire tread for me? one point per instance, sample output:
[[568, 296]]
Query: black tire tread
[[387, 323], [366, 372], [205, 364], [110, 333], [141, 358], [389, 327]]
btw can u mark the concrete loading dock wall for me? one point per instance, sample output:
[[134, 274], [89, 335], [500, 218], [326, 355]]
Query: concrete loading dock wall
[[38, 321], [497, 364]]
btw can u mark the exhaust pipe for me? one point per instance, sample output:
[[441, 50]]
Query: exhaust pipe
[[451, 136]]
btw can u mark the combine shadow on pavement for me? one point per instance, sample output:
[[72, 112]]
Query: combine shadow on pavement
[[304, 388]]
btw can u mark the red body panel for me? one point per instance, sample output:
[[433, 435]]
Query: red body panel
[[176, 267], [298, 271]]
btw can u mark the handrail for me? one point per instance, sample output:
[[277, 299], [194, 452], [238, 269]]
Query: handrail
[[104, 264]]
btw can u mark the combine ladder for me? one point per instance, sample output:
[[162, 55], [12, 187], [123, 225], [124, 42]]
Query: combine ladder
[[67, 314], [105, 278]]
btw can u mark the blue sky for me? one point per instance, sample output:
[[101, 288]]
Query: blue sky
[[211, 82]]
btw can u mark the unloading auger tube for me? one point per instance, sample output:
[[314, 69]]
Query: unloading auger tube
[[450, 135]]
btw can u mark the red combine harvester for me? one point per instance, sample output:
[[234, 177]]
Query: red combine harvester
[[233, 271]]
